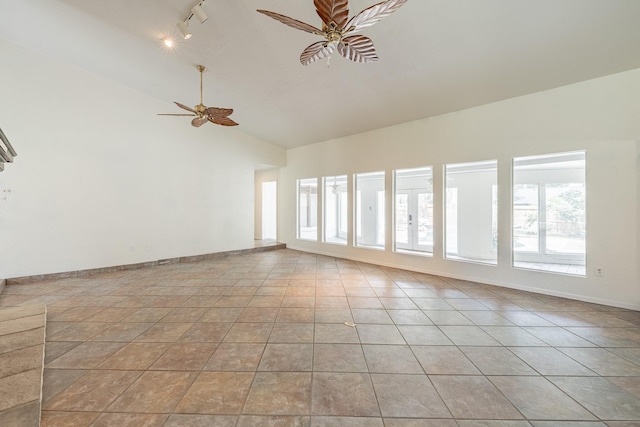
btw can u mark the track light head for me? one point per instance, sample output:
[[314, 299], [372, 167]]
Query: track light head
[[199, 12], [184, 29]]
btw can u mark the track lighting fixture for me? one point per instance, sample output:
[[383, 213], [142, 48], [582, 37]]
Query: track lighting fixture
[[196, 10], [183, 26], [199, 12]]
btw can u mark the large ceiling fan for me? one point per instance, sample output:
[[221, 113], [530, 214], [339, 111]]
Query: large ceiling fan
[[203, 113], [337, 27]]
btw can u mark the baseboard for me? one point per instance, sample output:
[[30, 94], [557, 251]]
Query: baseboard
[[583, 298], [90, 272]]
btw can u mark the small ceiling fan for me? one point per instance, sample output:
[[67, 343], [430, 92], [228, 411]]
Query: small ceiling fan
[[203, 113], [337, 27]]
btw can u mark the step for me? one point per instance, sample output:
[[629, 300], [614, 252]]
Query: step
[[22, 336]]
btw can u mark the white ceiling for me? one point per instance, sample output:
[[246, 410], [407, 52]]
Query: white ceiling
[[436, 56]]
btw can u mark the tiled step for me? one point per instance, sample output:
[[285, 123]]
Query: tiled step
[[22, 335]]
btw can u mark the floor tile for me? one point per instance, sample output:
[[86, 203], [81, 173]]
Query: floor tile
[[271, 332], [185, 356], [130, 420], [27, 414], [371, 315], [603, 398], [497, 361], [513, 336], [335, 333], [603, 362], [87, 355], [211, 332], [473, 397], [287, 358], [444, 360], [409, 317], [324, 421], [408, 396], [279, 393], [154, 392], [338, 358], [291, 333], [379, 334], [258, 314], [558, 337], [182, 420], [332, 315], [343, 394], [216, 393], [419, 422], [538, 399], [391, 359], [218, 314], [468, 335], [66, 419], [549, 361], [236, 357], [94, 391], [56, 380], [123, 332]]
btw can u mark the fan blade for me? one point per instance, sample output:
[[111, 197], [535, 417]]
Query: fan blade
[[316, 51], [198, 121], [190, 115], [298, 25], [358, 49], [336, 11], [218, 112], [372, 15], [224, 121], [184, 107]]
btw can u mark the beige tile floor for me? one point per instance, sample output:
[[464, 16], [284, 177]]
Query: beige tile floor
[[261, 340]]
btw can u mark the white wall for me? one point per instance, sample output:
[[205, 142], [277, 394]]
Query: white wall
[[101, 180], [601, 116]]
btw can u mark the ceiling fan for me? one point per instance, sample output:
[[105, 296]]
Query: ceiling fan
[[336, 29], [203, 113]]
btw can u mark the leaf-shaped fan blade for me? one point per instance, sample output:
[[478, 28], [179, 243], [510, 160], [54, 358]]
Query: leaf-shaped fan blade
[[218, 112], [224, 121], [316, 51], [190, 115], [358, 49], [184, 107], [372, 15], [198, 121], [333, 10], [298, 25]]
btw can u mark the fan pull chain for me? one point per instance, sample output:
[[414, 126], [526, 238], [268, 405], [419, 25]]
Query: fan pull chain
[[329, 61]]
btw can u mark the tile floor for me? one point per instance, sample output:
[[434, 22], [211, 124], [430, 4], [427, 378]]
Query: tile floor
[[268, 339]]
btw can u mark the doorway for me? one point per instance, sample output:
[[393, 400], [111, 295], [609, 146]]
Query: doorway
[[269, 210]]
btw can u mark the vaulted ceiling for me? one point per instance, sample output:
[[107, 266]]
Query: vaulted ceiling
[[436, 56]]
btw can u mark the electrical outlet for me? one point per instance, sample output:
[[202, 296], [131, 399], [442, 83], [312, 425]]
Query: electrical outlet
[[599, 271]]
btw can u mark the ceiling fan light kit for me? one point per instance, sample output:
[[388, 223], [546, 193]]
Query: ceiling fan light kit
[[337, 29]]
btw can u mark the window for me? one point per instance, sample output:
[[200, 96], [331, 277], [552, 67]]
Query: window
[[549, 221], [335, 209], [471, 223], [308, 209], [370, 214], [413, 212]]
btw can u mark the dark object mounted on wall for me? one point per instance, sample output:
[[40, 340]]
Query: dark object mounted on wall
[[7, 153]]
